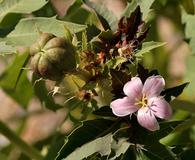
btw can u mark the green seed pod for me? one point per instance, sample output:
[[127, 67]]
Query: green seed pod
[[40, 42], [52, 56], [55, 42], [35, 61]]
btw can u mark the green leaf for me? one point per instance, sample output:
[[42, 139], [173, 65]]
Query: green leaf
[[42, 93], [185, 125], [144, 5], [84, 41], [174, 136], [73, 8], [190, 77], [119, 147], [174, 92], [129, 154], [27, 29], [6, 49], [183, 105], [165, 129], [105, 111], [72, 103], [10, 20], [130, 8], [8, 80], [88, 131], [149, 141], [147, 138], [54, 146], [21, 70], [46, 11], [158, 151], [68, 34], [188, 154], [77, 8], [188, 6], [140, 155], [148, 46], [107, 35], [19, 6], [21, 144], [102, 11], [113, 63], [100, 145]]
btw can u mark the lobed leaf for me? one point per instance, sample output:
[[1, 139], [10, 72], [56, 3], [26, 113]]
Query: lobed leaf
[[84, 41], [106, 36], [105, 111], [174, 92], [42, 93], [100, 145], [159, 152], [185, 125], [149, 138], [19, 6], [88, 131], [6, 49], [108, 16], [120, 147], [27, 29], [113, 63], [56, 143], [129, 154], [10, 78], [88, 17], [144, 5], [148, 46]]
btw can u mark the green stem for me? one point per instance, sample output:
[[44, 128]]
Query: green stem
[[82, 74], [27, 149]]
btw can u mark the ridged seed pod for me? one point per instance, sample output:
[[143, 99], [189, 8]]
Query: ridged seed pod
[[52, 56]]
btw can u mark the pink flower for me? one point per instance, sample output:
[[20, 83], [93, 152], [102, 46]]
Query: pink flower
[[146, 100]]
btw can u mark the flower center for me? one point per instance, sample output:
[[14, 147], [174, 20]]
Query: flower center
[[143, 102]]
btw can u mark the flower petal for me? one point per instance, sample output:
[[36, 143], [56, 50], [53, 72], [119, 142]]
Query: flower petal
[[147, 119], [160, 107], [123, 107], [153, 86], [133, 88]]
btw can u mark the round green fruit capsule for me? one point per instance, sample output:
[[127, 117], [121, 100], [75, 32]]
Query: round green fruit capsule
[[52, 56]]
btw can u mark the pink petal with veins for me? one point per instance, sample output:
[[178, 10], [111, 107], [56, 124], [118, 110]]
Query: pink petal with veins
[[160, 107], [133, 88], [123, 107], [147, 119], [153, 86]]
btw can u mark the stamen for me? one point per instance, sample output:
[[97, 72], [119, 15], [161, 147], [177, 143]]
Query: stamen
[[143, 102]]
